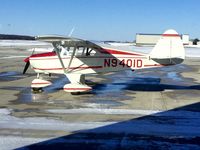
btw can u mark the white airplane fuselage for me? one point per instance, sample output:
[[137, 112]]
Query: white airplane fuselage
[[108, 61]]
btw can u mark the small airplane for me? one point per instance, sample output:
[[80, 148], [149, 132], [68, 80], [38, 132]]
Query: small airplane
[[76, 58]]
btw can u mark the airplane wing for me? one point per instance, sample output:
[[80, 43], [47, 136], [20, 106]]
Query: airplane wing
[[67, 41]]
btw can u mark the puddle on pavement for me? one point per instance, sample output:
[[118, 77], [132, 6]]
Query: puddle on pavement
[[27, 96], [102, 103], [174, 76], [58, 84], [10, 76]]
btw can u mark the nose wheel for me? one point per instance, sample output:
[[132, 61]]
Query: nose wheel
[[75, 93], [37, 90]]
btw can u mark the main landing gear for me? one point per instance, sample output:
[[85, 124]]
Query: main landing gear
[[77, 85]]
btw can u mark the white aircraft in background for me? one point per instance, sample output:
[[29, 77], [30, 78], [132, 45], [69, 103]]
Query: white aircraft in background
[[76, 58]]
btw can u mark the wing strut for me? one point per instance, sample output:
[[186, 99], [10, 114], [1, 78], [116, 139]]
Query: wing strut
[[72, 56], [56, 48]]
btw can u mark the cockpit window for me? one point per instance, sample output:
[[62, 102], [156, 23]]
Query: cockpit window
[[80, 51]]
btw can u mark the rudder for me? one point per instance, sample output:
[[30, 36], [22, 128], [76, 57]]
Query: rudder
[[169, 49]]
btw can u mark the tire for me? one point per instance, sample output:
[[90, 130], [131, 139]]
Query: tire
[[37, 90], [75, 93]]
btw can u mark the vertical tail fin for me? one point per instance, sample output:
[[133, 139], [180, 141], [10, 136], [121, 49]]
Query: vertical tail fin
[[169, 49]]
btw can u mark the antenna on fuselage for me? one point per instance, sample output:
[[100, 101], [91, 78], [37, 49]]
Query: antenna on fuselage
[[71, 32]]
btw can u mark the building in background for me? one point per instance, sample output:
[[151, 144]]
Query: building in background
[[151, 39]]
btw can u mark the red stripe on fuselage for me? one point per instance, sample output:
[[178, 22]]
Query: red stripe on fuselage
[[118, 52], [87, 67], [48, 54], [171, 35], [105, 51], [41, 55], [95, 57]]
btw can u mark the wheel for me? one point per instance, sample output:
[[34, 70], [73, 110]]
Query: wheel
[[37, 90], [75, 93]]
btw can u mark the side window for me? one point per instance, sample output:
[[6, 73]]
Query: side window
[[68, 51], [85, 51], [65, 51], [90, 52], [80, 51]]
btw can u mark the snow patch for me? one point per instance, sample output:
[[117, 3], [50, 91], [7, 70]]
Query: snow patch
[[13, 142], [5, 111], [103, 111]]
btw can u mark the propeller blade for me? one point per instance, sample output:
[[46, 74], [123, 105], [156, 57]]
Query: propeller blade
[[26, 67]]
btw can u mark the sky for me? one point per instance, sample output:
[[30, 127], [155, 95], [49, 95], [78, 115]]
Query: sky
[[99, 19]]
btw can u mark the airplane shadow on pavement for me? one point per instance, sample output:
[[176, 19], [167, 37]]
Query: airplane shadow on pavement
[[148, 84], [156, 86]]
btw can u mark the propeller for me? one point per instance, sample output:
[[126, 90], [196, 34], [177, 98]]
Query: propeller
[[27, 63], [26, 67]]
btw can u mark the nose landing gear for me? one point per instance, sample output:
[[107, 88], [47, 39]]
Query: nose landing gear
[[37, 84]]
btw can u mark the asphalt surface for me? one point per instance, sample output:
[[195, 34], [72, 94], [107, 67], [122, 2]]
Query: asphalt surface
[[146, 109]]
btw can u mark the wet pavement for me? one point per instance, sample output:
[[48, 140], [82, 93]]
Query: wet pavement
[[145, 109]]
